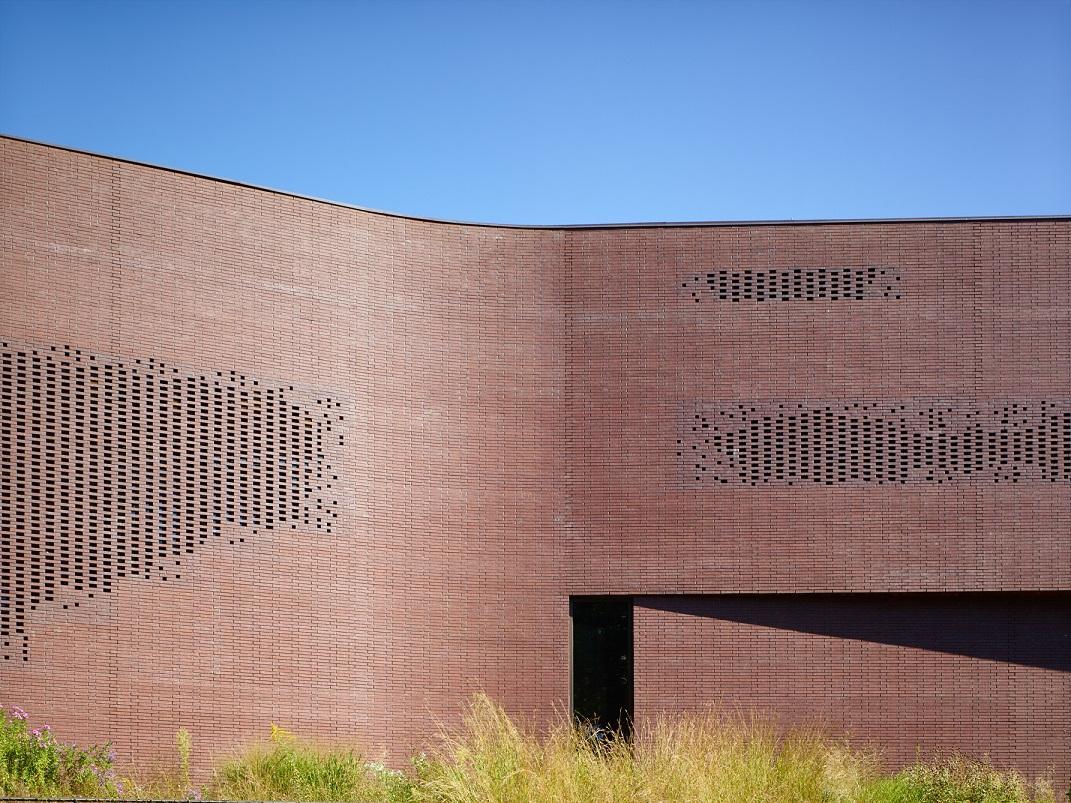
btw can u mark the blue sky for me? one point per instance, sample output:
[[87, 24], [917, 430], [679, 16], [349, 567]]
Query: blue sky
[[568, 112]]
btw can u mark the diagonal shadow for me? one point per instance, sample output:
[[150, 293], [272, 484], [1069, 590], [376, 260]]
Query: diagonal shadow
[[1027, 628]]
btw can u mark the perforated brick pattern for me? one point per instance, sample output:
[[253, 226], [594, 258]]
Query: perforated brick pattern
[[795, 284], [916, 441], [120, 468], [514, 397]]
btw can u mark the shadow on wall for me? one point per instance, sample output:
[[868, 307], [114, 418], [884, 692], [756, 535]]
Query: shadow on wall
[[1029, 628]]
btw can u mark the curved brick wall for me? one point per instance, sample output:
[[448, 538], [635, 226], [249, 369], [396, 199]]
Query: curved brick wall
[[270, 459]]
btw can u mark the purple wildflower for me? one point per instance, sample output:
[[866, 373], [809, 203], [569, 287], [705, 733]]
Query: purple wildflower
[[18, 713]]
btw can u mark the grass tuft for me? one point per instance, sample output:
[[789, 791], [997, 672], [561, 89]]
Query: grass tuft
[[701, 758], [958, 779], [287, 768]]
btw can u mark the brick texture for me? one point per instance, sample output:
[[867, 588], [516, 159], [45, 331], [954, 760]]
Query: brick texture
[[908, 675], [513, 404]]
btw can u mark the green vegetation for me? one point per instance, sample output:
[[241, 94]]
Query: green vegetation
[[184, 743], [33, 763], [287, 768], [490, 759]]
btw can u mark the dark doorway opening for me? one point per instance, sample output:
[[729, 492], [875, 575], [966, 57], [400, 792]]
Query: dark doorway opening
[[602, 686]]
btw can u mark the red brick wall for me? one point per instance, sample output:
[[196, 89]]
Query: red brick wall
[[909, 675], [513, 400], [444, 344], [983, 316]]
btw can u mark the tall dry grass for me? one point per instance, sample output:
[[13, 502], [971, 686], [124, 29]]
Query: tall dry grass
[[700, 758], [705, 758], [491, 759]]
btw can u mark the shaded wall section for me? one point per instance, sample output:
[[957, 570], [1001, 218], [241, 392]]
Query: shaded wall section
[[914, 674]]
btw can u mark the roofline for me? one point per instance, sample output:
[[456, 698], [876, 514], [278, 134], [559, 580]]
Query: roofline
[[551, 227]]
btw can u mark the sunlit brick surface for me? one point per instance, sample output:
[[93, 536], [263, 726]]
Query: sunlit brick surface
[[510, 406]]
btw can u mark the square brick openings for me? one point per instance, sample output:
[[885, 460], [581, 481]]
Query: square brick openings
[[513, 401]]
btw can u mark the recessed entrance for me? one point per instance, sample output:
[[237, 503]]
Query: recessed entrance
[[602, 686]]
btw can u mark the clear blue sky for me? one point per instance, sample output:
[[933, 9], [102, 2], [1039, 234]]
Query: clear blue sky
[[568, 112]]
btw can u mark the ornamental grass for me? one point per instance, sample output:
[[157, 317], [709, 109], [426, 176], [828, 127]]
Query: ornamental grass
[[490, 758]]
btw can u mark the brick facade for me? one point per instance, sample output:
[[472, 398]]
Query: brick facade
[[372, 457], [917, 674]]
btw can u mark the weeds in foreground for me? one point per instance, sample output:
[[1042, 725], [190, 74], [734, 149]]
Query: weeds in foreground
[[959, 780], [33, 763], [184, 743], [697, 758], [490, 759], [292, 769]]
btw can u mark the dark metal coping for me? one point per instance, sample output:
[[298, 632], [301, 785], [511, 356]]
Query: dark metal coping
[[576, 227]]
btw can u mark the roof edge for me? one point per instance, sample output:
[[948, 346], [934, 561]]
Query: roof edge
[[534, 226]]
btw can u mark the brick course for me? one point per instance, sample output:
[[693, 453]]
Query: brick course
[[513, 398]]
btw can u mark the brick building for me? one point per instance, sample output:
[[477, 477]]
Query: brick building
[[269, 458]]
